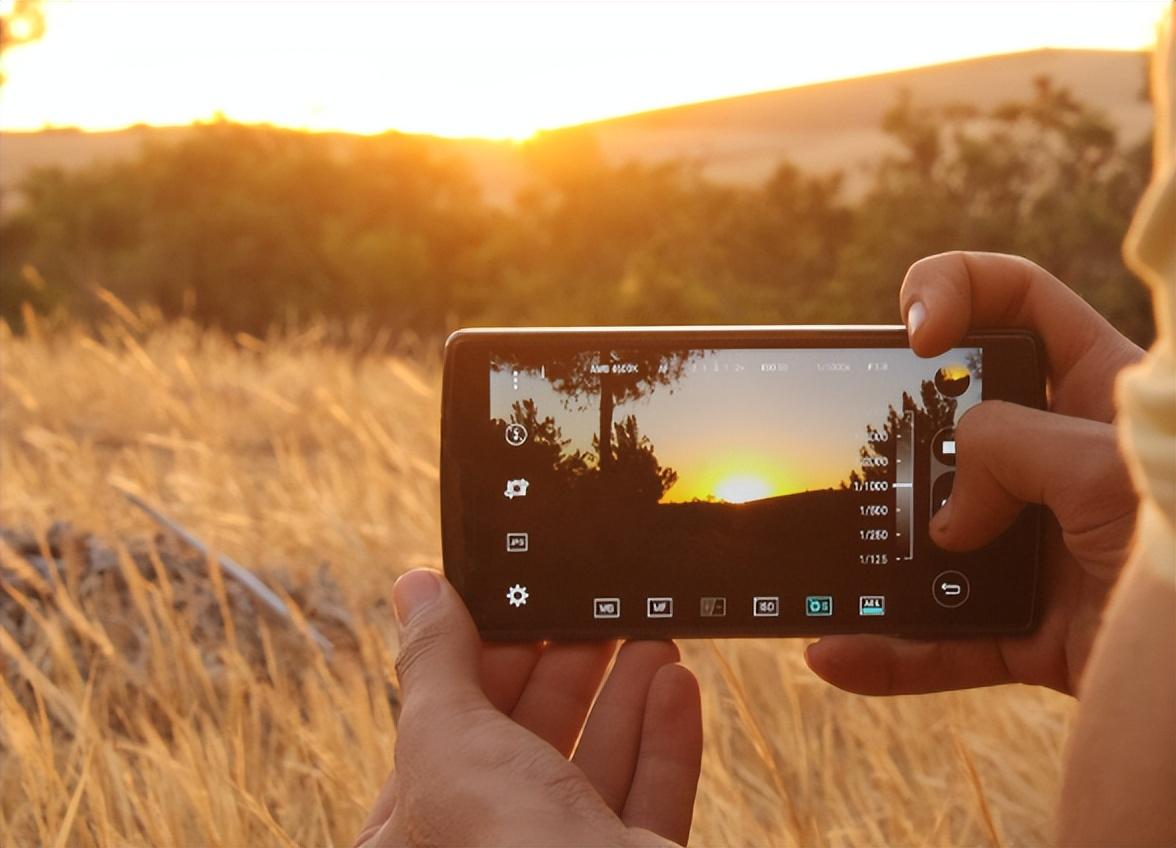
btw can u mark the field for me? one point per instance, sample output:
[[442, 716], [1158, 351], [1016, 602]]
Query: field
[[144, 702]]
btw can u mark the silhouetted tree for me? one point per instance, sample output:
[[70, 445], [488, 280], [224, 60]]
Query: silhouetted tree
[[595, 374], [544, 453], [931, 415], [633, 473]]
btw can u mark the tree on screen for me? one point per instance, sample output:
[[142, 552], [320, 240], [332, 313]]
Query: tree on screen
[[635, 475], [584, 376], [879, 452], [549, 465]]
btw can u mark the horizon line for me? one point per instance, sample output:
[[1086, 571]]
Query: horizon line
[[218, 117]]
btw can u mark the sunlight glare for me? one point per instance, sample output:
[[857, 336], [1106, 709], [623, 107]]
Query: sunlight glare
[[742, 488], [494, 69]]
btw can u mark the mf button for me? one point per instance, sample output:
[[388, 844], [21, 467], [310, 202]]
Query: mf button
[[950, 589]]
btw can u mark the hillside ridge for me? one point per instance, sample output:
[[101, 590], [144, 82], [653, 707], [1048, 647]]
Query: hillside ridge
[[737, 140]]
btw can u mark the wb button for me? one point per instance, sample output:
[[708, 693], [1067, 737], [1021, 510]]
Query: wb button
[[606, 608]]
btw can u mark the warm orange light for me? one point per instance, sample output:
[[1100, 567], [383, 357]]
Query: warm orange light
[[494, 69], [741, 488], [734, 478], [20, 28]]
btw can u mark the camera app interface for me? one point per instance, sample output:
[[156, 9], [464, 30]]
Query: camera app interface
[[729, 488]]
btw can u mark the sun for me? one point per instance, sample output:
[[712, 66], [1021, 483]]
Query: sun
[[738, 478], [741, 488]]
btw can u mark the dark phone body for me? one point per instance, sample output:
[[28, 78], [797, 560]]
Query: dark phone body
[[608, 552]]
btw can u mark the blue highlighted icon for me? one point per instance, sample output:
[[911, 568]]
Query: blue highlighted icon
[[872, 605], [818, 605]]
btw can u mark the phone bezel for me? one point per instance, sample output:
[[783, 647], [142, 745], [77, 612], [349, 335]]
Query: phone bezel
[[1014, 365]]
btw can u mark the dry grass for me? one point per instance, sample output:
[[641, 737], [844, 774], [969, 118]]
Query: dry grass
[[142, 708]]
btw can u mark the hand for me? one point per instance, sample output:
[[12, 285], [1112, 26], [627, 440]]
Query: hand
[[486, 731], [1008, 455]]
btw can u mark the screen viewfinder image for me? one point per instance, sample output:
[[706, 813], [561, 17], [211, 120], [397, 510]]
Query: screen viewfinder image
[[735, 489]]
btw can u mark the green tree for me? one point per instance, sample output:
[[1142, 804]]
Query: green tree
[[1045, 178]]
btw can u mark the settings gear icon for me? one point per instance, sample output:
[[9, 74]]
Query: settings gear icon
[[516, 595]]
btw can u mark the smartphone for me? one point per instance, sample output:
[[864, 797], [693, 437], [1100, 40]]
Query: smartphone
[[723, 481]]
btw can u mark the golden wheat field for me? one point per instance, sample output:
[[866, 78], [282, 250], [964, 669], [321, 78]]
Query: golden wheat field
[[146, 702]]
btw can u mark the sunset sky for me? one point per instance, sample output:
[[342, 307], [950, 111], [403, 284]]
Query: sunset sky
[[493, 69], [745, 435]]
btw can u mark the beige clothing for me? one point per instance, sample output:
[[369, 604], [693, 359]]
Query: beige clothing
[[1147, 392]]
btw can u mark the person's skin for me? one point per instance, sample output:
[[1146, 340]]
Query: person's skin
[[484, 749], [1119, 786], [486, 731], [1066, 458], [1120, 776]]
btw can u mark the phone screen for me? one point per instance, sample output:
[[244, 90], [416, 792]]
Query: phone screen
[[720, 489]]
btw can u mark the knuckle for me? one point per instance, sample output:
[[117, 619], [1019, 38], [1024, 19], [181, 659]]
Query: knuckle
[[978, 423], [1104, 474], [921, 269], [423, 639], [563, 783]]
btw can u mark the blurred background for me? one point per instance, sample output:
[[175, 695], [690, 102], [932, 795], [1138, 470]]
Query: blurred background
[[233, 237], [419, 167]]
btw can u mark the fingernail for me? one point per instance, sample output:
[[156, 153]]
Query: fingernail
[[413, 592], [915, 317]]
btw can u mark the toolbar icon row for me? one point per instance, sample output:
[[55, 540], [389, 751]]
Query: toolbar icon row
[[763, 606]]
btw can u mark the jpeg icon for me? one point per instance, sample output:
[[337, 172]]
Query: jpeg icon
[[517, 543]]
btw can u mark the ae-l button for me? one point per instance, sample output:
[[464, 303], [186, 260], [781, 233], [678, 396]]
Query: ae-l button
[[950, 589]]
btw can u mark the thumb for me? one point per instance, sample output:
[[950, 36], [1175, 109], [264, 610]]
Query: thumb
[[1010, 455], [439, 645]]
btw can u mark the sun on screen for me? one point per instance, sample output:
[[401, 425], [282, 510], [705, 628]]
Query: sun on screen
[[741, 488]]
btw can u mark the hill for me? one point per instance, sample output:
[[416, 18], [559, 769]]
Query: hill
[[736, 140], [835, 125]]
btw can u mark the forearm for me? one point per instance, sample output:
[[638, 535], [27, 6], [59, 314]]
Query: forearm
[[1120, 778]]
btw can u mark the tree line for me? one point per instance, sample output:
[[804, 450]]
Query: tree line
[[242, 227]]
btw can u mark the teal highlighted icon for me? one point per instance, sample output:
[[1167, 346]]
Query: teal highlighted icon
[[872, 605], [818, 605]]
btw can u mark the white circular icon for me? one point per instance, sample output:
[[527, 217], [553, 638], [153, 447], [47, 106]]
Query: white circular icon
[[517, 595], [516, 434]]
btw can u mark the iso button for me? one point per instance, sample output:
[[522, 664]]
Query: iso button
[[950, 589]]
